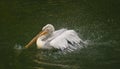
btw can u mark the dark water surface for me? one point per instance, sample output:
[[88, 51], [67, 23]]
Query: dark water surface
[[96, 21]]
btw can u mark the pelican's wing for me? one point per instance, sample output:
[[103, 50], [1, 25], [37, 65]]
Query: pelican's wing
[[68, 39]]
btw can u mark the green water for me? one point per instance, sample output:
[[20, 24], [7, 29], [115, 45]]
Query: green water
[[96, 21]]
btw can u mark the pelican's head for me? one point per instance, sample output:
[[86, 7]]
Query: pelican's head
[[46, 31], [49, 28]]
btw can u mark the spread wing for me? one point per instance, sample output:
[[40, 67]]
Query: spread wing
[[67, 40]]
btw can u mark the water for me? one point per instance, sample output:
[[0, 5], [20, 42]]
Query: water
[[96, 21]]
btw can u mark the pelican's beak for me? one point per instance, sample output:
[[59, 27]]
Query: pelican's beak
[[43, 33], [35, 38]]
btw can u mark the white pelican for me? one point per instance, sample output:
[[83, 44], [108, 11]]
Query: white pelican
[[60, 39]]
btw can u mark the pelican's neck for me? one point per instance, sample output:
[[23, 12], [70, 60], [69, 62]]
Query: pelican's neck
[[40, 43], [42, 39]]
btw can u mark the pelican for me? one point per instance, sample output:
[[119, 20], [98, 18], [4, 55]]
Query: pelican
[[61, 39]]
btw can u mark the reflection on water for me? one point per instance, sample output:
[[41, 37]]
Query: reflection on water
[[96, 21], [49, 58]]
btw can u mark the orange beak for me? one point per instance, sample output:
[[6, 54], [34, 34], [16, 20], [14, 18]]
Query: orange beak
[[35, 38]]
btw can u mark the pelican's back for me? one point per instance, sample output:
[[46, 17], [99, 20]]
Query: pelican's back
[[68, 39]]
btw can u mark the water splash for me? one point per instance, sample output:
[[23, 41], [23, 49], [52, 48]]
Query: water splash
[[18, 47]]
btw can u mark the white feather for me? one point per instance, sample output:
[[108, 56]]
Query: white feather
[[61, 42]]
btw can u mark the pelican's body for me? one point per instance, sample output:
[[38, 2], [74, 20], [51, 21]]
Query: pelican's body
[[60, 39]]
